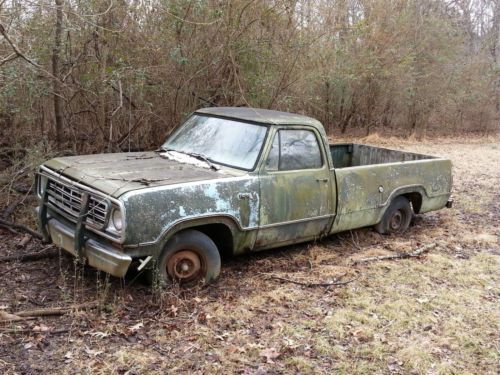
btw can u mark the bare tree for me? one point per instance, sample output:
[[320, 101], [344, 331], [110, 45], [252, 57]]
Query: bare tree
[[57, 84], [495, 52]]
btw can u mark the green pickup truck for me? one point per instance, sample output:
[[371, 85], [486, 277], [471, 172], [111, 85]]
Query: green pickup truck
[[229, 181]]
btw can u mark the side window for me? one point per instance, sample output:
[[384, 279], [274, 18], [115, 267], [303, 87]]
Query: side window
[[273, 159], [294, 149]]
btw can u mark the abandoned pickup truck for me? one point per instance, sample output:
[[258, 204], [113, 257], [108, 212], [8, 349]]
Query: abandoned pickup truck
[[229, 181]]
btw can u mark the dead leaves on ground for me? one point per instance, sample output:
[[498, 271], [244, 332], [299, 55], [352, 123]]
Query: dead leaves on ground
[[270, 354]]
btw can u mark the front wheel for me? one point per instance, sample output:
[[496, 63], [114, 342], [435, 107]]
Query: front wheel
[[189, 258], [396, 218]]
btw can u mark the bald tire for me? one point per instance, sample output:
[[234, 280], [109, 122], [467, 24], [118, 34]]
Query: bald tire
[[396, 218], [195, 242]]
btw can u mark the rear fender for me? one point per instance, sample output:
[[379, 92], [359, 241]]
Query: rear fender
[[408, 191]]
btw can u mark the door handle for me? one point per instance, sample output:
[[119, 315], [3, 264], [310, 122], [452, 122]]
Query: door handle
[[248, 196], [322, 179]]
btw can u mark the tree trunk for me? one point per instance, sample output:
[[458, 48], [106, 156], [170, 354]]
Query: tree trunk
[[496, 55], [56, 56]]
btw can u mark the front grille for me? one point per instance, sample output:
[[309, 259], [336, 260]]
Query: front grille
[[68, 199]]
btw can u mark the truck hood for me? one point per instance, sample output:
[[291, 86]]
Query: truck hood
[[116, 174]]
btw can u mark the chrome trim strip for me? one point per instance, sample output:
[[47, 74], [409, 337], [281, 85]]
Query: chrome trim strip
[[297, 221]]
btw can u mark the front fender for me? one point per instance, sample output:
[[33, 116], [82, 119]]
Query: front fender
[[229, 222], [153, 214], [242, 240]]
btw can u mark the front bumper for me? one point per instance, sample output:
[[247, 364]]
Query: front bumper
[[97, 254]]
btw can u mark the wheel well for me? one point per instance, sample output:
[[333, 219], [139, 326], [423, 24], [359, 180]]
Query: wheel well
[[416, 201], [220, 234]]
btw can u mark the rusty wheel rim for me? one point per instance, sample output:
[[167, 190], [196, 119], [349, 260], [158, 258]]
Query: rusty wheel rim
[[184, 266], [396, 220]]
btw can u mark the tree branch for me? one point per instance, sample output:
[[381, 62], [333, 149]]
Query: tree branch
[[334, 282], [18, 52], [413, 254], [24, 228], [51, 311], [11, 57], [47, 252]]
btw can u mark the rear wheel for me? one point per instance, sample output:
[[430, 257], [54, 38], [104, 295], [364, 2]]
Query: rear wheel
[[189, 258], [396, 218]]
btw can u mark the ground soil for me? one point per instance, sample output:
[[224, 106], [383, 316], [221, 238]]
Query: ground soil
[[438, 313]]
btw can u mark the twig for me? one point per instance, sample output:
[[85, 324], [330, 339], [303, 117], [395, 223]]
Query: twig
[[333, 282], [191, 22], [24, 228], [196, 96], [123, 95], [413, 254], [11, 57], [30, 330], [22, 55], [355, 243], [120, 98]]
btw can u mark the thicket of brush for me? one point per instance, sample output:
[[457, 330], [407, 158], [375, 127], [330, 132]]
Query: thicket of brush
[[108, 75]]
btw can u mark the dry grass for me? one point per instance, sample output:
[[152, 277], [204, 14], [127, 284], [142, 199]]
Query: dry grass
[[437, 314]]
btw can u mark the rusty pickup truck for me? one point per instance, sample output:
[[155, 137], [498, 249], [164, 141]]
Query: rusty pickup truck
[[229, 181]]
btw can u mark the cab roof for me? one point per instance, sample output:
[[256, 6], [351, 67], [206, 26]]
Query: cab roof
[[258, 115]]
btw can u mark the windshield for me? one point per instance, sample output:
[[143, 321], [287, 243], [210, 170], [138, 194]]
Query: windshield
[[221, 141]]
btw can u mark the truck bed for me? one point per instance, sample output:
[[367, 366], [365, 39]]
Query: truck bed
[[369, 177], [346, 155]]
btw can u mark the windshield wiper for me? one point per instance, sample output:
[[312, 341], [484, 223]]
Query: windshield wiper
[[196, 156]]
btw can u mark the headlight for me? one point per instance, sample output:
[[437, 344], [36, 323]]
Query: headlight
[[116, 220]]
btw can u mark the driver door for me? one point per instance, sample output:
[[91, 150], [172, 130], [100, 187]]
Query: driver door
[[296, 197]]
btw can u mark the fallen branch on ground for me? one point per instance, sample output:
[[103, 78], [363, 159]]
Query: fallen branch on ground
[[30, 330], [11, 230], [334, 282], [47, 252], [50, 311], [24, 228], [6, 317], [413, 254]]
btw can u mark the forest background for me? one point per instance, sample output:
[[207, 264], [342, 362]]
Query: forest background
[[108, 75]]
